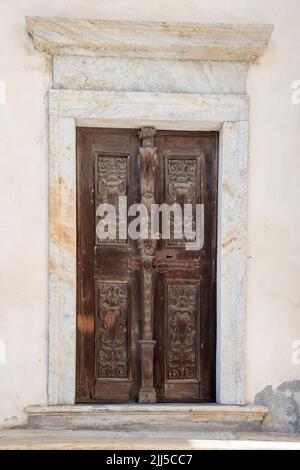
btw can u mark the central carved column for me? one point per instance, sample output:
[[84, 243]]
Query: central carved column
[[148, 162]]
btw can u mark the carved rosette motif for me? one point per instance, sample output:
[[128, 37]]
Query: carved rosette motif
[[112, 330], [111, 183], [181, 359], [181, 186]]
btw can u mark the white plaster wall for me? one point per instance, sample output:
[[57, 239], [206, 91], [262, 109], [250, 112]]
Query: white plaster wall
[[274, 221]]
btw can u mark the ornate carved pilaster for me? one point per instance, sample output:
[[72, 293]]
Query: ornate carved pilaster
[[148, 161]]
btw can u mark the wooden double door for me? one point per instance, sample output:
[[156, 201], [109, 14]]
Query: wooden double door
[[146, 309]]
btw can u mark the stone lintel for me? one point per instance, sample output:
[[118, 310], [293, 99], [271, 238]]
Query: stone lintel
[[155, 40]]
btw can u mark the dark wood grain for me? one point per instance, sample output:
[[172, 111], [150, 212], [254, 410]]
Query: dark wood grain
[[188, 174], [110, 287]]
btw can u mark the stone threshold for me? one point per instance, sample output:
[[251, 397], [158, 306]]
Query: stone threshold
[[34, 439], [135, 417]]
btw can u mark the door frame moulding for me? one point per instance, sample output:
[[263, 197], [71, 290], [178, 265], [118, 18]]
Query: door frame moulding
[[223, 112], [226, 114]]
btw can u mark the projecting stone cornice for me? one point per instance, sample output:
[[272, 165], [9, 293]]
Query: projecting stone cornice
[[175, 41]]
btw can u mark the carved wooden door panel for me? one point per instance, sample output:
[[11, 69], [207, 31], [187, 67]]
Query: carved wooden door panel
[[185, 308], [145, 309], [108, 321]]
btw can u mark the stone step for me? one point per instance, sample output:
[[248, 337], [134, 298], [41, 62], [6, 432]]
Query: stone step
[[54, 439], [159, 417]]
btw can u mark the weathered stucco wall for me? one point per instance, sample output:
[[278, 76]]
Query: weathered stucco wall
[[273, 324]]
